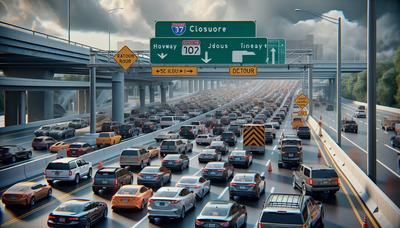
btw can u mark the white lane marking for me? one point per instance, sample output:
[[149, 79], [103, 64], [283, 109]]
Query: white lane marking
[[385, 132], [268, 162], [223, 193], [140, 221], [396, 150], [194, 157], [272, 189], [274, 147], [197, 173], [359, 147]]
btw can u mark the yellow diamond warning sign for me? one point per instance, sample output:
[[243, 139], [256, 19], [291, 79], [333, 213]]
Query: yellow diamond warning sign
[[301, 100], [125, 57]]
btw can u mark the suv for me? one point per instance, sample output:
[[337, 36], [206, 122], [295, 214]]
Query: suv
[[168, 121], [291, 210], [111, 178], [235, 128], [172, 146], [188, 132], [349, 126], [229, 138], [290, 154], [10, 153], [269, 127], [128, 130], [134, 157], [303, 132], [311, 178], [68, 169]]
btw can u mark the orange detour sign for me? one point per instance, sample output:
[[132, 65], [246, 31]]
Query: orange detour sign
[[125, 57], [301, 100]]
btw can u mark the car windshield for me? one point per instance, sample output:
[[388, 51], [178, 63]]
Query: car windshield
[[227, 135], [70, 207], [38, 139], [268, 126], [172, 157], [186, 128], [243, 178], [127, 191], [129, 153], [291, 142], [58, 166], [104, 135], [19, 188], [188, 180], [281, 217], [238, 153], [75, 146], [215, 211], [4, 149], [202, 136], [150, 170], [165, 194], [125, 127], [76, 121], [324, 173], [215, 165], [208, 152], [103, 174], [217, 144], [304, 128], [45, 128]]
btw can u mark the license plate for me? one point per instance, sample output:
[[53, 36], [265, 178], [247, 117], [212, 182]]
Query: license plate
[[147, 177], [57, 173], [162, 204], [12, 197], [212, 225], [242, 187], [170, 163], [104, 182], [290, 155], [213, 173], [237, 159], [62, 219]]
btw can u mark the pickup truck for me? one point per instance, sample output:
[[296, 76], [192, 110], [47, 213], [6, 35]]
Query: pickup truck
[[349, 126], [388, 124], [107, 139]]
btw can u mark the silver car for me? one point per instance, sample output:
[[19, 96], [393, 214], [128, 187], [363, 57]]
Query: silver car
[[199, 185], [170, 202]]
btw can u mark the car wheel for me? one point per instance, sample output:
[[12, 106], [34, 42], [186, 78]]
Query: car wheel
[[151, 219], [280, 165], [148, 162], [50, 182], [182, 214], [49, 193], [294, 183], [32, 202], [28, 155], [142, 205], [303, 189], [13, 159], [89, 175], [77, 179]]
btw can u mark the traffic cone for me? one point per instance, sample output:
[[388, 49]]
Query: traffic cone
[[365, 223], [270, 167], [101, 165], [319, 153]]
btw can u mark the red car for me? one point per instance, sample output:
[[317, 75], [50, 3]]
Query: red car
[[77, 149]]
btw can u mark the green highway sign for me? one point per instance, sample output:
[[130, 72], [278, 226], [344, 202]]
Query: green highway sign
[[205, 29], [208, 50], [276, 51]]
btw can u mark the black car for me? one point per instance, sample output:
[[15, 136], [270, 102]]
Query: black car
[[77, 213], [110, 178], [268, 137], [43, 130], [229, 137], [303, 132], [218, 129], [11, 153], [188, 132], [218, 213], [219, 146], [250, 185], [349, 126], [110, 126], [62, 132], [149, 127], [128, 130], [218, 171], [395, 141], [235, 128], [176, 161]]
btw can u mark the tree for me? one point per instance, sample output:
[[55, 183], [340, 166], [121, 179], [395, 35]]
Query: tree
[[360, 87], [386, 88]]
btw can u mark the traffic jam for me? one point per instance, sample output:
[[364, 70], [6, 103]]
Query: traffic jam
[[252, 163]]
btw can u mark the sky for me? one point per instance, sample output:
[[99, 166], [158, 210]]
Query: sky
[[91, 21]]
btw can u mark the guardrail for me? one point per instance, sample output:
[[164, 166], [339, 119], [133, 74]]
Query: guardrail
[[20, 172], [379, 107], [378, 203]]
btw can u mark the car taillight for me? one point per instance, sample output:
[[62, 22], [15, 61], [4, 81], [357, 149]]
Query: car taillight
[[51, 217], [174, 201], [164, 161], [70, 173], [338, 181], [205, 170], [310, 181], [151, 201], [224, 224], [196, 186], [220, 170], [141, 174], [73, 219], [199, 222], [246, 157], [233, 184], [259, 225], [251, 185], [156, 174], [230, 157], [304, 226], [178, 161], [115, 182]]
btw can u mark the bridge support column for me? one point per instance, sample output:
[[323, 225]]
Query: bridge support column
[[201, 85], [163, 93], [82, 101], [196, 85], [171, 90], [15, 102], [40, 105], [218, 84], [151, 93], [190, 86], [126, 93], [212, 84], [118, 97], [92, 94], [142, 96]]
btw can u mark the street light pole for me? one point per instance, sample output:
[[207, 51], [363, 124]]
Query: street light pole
[[338, 83]]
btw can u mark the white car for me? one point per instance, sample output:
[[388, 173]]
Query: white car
[[204, 139], [168, 135], [170, 202], [199, 185], [360, 114], [269, 127], [68, 169]]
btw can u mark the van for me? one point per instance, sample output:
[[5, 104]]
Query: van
[[134, 156], [172, 146], [167, 121]]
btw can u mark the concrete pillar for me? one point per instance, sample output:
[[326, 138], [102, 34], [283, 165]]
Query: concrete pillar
[[81, 101], [92, 94], [142, 96], [171, 90], [201, 85], [163, 93], [190, 86], [218, 84], [40, 105], [212, 84], [151, 93], [118, 97], [11, 108], [22, 108], [196, 85], [126, 93]]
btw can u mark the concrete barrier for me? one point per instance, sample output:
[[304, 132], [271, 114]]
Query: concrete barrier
[[378, 203], [379, 107]]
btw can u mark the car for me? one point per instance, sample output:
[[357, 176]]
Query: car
[[235, 128], [154, 118], [329, 107], [303, 132], [232, 116], [240, 157], [107, 139], [218, 171], [229, 137], [188, 145], [110, 126], [172, 146], [78, 123], [131, 197], [134, 157], [43, 130], [247, 185], [268, 137], [276, 125], [62, 132], [269, 127], [219, 213], [43, 142], [59, 146], [360, 114], [168, 135], [291, 210], [26, 193], [219, 146], [207, 155], [168, 121], [149, 127], [204, 139], [77, 149], [170, 202], [349, 126], [290, 155], [176, 161], [225, 120], [188, 131], [11, 153], [290, 139], [68, 169], [395, 141], [128, 131], [111, 179], [297, 121], [310, 178], [153, 151], [277, 119], [199, 185], [78, 213], [154, 176]]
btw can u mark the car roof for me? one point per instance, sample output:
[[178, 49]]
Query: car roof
[[26, 183], [316, 166], [108, 169], [170, 189], [6, 146], [80, 143], [64, 160], [278, 201], [220, 203], [78, 201]]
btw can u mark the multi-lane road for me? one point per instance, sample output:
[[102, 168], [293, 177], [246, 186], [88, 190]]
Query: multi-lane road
[[355, 145], [344, 210]]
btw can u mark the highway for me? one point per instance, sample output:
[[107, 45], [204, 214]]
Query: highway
[[355, 145], [344, 210]]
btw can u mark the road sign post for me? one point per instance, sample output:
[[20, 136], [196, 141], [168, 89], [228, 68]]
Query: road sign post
[[125, 57], [208, 50]]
